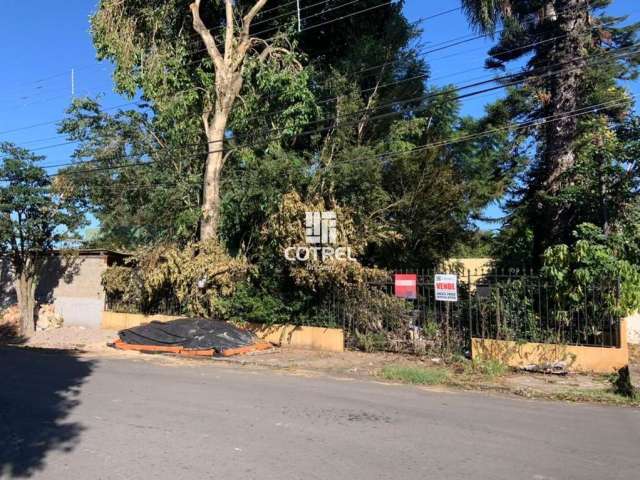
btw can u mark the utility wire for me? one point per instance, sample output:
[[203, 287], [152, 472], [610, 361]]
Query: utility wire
[[353, 73], [450, 43], [515, 126], [327, 100], [506, 81]]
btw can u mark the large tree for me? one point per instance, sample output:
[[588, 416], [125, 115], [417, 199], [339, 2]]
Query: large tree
[[34, 219], [139, 35], [344, 128], [572, 58]]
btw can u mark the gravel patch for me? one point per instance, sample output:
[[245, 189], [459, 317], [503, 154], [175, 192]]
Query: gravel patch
[[73, 337]]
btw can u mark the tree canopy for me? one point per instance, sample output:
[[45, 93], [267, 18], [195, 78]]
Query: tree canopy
[[34, 219]]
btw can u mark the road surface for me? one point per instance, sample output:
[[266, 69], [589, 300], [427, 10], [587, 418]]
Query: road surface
[[64, 417]]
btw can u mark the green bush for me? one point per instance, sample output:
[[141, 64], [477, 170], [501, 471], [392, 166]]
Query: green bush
[[370, 342], [490, 368], [250, 304]]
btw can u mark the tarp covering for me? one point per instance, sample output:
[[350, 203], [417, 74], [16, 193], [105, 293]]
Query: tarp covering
[[190, 336]]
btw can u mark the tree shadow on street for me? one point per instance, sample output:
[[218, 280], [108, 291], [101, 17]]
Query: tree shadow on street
[[38, 391]]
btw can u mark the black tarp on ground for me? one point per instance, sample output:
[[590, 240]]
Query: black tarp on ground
[[189, 333]]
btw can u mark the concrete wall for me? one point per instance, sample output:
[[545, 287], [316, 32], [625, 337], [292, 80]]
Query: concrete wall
[[120, 321], [633, 326], [72, 284], [7, 292], [578, 359], [474, 264], [313, 338]]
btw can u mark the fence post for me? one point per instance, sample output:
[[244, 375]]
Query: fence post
[[619, 322], [469, 304]]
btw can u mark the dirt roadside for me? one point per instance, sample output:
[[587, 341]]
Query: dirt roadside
[[353, 364]]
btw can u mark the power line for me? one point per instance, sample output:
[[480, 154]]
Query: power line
[[509, 79], [457, 40], [542, 120], [515, 126], [65, 73], [420, 20], [270, 113], [491, 80], [443, 45], [265, 141], [52, 122], [338, 19]]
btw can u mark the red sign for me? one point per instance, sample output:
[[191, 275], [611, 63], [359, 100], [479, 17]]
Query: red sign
[[406, 285]]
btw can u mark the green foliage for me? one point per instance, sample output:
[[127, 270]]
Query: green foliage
[[479, 245], [131, 201], [430, 329], [249, 304], [573, 169], [490, 368], [254, 186], [595, 261], [124, 289], [370, 341], [309, 132], [35, 217], [512, 306], [415, 375]]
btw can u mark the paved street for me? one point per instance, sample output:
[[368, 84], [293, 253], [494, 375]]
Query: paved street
[[63, 417]]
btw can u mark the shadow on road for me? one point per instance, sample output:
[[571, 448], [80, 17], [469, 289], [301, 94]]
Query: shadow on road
[[38, 391]]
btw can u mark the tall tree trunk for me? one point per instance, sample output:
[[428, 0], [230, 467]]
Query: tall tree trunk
[[213, 171], [553, 217], [26, 290], [228, 65]]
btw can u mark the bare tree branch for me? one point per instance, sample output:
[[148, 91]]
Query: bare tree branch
[[228, 42], [248, 18], [205, 34]]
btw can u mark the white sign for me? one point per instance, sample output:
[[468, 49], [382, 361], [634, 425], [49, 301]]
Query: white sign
[[446, 288]]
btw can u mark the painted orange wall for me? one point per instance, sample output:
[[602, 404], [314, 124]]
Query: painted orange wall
[[578, 359]]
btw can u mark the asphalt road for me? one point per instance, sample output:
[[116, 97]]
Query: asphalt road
[[63, 417]]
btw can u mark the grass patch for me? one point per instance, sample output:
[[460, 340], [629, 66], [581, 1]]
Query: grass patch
[[596, 396], [415, 375], [487, 368]]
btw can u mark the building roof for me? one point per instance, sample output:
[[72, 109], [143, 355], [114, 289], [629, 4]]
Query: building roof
[[98, 252]]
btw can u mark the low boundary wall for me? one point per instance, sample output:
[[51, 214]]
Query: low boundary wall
[[313, 338], [577, 358]]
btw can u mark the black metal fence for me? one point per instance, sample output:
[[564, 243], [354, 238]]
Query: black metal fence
[[162, 305], [490, 304], [503, 305]]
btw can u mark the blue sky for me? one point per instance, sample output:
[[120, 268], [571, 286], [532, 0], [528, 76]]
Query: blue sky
[[42, 41]]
